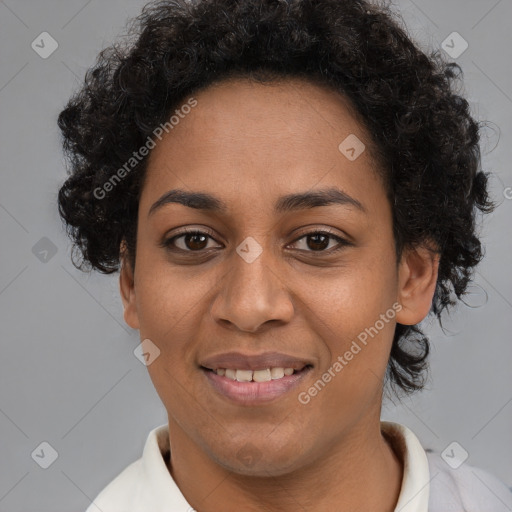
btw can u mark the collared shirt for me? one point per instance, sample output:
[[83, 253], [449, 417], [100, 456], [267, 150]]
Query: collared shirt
[[431, 482]]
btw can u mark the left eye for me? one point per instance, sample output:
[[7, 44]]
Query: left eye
[[318, 241]]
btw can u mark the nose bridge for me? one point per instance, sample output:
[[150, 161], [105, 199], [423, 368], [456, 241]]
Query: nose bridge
[[252, 293], [252, 272]]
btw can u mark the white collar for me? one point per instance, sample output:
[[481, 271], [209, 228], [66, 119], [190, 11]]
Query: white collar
[[415, 489], [147, 486]]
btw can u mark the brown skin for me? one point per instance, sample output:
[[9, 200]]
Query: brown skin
[[248, 144]]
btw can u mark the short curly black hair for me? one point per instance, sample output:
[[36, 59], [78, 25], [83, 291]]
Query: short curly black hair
[[427, 140]]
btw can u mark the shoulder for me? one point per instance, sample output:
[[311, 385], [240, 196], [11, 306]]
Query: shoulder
[[144, 483], [465, 488], [120, 494], [445, 484]]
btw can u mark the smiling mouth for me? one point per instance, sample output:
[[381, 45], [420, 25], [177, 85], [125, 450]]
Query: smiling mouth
[[251, 388], [257, 376]]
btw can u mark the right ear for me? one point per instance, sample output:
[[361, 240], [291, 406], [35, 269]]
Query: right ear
[[127, 289]]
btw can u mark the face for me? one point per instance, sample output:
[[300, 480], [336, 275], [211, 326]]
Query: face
[[303, 280]]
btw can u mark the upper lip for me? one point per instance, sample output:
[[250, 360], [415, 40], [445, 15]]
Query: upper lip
[[239, 361]]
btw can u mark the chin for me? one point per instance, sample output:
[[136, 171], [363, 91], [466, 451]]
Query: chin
[[251, 460]]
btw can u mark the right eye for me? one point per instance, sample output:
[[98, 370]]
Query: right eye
[[193, 241]]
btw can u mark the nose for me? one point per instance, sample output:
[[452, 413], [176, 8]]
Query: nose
[[253, 293]]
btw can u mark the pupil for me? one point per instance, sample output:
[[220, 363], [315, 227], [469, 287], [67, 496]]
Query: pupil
[[194, 236], [323, 245]]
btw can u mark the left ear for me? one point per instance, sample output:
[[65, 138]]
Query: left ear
[[417, 278]]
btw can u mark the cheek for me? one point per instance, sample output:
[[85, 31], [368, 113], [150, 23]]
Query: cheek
[[167, 295], [353, 297], [168, 306], [354, 316], [172, 303]]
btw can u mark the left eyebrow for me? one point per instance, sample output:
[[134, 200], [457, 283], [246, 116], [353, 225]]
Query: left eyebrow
[[315, 198], [286, 203]]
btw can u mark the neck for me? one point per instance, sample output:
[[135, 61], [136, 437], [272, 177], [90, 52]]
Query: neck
[[359, 472]]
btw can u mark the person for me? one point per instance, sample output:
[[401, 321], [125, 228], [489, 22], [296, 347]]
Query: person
[[287, 189]]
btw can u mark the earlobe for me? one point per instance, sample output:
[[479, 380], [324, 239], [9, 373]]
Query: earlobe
[[417, 278], [127, 290]]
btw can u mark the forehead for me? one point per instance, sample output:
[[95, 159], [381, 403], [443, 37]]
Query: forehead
[[287, 110], [243, 138]]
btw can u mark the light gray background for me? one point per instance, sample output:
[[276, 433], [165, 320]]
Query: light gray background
[[68, 375]]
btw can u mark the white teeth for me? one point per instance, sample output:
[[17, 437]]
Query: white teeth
[[230, 374], [261, 375], [277, 373], [257, 375], [244, 375]]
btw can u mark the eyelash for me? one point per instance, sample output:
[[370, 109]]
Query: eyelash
[[168, 243]]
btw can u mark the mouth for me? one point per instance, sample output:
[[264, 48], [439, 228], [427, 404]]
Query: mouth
[[254, 387], [262, 375]]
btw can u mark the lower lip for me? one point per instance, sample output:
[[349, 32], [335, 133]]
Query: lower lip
[[254, 393]]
